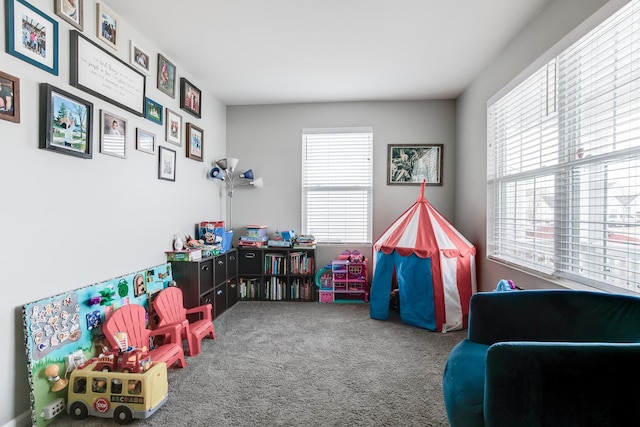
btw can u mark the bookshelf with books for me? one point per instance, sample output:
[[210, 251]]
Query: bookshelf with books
[[276, 273]]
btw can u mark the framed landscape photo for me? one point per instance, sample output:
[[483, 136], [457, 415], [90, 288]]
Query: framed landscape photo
[[153, 111], [166, 163], [113, 135], [65, 122], [173, 127], [138, 57], [411, 164], [166, 76], [71, 11], [9, 98], [190, 97], [107, 26], [195, 142], [32, 35], [145, 141]]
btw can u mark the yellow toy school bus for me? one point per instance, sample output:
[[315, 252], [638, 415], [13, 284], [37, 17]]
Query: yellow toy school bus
[[119, 395]]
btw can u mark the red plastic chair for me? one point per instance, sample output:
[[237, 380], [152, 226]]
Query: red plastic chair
[[131, 319], [169, 305]]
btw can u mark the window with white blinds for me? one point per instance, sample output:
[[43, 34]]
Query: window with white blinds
[[337, 177], [563, 169]]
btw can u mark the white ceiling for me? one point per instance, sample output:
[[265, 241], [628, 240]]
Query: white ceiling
[[289, 51]]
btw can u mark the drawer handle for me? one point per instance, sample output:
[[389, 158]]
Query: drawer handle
[[220, 262], [250, 255], [205, 267], [219, 292], [232, 257]]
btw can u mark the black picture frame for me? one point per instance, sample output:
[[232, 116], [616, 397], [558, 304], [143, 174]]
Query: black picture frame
[[103, 75], [190, 98], [411, 164], [166, 163], [65, 122]]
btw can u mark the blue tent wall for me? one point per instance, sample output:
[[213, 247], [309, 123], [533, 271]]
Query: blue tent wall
[[415, 283]]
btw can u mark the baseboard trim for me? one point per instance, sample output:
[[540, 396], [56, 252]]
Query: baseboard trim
[[22, 420]]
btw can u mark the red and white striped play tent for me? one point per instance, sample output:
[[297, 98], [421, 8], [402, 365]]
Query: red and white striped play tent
[[433, 266]]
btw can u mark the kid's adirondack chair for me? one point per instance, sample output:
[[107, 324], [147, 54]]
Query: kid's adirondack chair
[[131, 319], [169, 307]]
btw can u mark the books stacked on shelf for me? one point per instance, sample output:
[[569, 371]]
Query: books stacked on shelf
[[276, 289], [256, 236], [305, 241], [301, 289], [184, 255], [275, 263], [279, 243], [250, 288], [301, 263]]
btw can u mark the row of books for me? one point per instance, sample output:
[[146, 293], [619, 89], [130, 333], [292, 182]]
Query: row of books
[[301, 263], [276, 289]]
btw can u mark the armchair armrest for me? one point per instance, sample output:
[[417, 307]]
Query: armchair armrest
[[172, 331], [203, 310], [561, 384]]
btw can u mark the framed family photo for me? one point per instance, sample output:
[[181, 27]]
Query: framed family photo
[[107, 26], [166, 163], [138, 57], [411, 164], [145, 141], [166, 76], [113, 135], [190, 97], [71, 11], [65, 122], [173, 127], [32, 35], [9, 98], [195, 141], [153, 111]]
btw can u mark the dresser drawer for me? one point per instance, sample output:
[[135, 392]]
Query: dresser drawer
[[206, 276], [220, 269], [219, 300], [250, 261]]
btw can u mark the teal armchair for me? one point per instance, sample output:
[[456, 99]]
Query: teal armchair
[[546, 358]]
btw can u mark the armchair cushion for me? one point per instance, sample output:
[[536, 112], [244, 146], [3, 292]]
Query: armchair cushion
[[545, 358]]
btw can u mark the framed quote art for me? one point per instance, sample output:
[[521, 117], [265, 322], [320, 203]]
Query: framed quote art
[[411, 164], [65, 122]]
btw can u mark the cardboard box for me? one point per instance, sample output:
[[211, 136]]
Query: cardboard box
[[186, 255]]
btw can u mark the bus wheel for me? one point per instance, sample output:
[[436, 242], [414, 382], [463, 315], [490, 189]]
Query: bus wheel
[[123, 415], [78, 411]]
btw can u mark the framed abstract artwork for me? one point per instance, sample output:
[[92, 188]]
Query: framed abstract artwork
[[411, 164]]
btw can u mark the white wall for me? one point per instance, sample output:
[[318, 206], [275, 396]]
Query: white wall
[[69, 222], [268, 139], [557, 20]]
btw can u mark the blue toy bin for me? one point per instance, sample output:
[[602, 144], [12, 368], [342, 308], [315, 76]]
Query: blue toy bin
[[227, 239]]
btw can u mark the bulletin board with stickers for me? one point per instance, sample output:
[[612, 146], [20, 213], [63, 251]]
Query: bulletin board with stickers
[[63, 331]]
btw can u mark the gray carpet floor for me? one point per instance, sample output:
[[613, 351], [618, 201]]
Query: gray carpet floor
[[306, 364]]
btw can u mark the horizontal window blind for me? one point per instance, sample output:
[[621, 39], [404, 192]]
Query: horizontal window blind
[[564, 162], [337, 175]]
